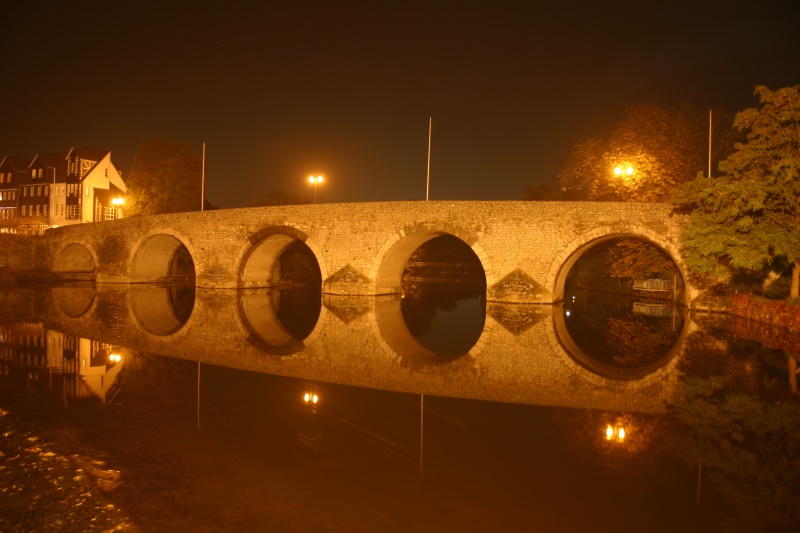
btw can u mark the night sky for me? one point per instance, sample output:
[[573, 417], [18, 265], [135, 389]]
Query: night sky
[[280, 90]]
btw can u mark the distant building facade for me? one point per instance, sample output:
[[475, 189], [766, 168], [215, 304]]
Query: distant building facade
[[50, 190]]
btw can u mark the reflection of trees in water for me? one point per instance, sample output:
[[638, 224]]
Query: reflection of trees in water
[[298, 308], [607, 329], [585, 432], [638, 340], [181, 300], [736, 415], [421, 302]]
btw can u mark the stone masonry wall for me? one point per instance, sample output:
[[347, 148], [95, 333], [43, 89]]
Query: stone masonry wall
[[523, 246]]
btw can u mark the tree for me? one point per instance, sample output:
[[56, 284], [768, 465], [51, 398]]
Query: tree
[[749, 217], [638, 260], [663, 147], [164, 178]]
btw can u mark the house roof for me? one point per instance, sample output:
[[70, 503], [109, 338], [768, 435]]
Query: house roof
[[17, 163]]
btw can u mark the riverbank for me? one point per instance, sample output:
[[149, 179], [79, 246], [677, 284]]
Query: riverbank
[[47, 487]]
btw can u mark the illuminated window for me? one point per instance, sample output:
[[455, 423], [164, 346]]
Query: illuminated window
[[24, 191], [39, 190], [38, 210], [2, 177], [24, 207], [47, 190]]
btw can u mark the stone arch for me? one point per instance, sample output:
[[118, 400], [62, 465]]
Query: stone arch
[[75, 257], [154, 253], [258, 260], [387, 268], [567, 258]]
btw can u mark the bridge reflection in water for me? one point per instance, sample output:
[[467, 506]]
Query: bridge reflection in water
[[464, 348], [619, 367]]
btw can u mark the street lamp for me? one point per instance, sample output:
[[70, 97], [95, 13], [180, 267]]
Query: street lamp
[[622, 171], [315, 180]]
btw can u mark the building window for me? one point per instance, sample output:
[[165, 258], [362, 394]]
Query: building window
[[2, 177], [44, 210], [38, 210], [39, 190], [24, 191], [47, 190], [24, 207]]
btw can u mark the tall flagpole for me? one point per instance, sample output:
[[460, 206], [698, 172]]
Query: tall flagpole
[[428, 183], [203, 182]]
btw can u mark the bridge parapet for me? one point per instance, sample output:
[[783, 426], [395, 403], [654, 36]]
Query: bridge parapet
[[525, 248]]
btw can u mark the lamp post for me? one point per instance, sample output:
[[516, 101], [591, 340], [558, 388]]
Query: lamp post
[[315, 180], [622, 171], [118, 202]]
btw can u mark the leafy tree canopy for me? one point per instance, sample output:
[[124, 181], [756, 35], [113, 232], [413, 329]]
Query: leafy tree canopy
[[663, 148], [164, 178], [749, 217]]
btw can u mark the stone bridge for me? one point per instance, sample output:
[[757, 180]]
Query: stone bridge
[[526, 249]]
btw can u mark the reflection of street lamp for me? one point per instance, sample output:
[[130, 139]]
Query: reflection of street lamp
[[315, 180], [615, 433], [622, 171]]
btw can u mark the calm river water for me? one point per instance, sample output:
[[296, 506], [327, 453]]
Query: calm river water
[[173, 409]]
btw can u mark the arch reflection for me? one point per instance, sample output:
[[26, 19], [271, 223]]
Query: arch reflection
[[74, 301], [617, 336], [162, 309], [445, 318], [281, 318]]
